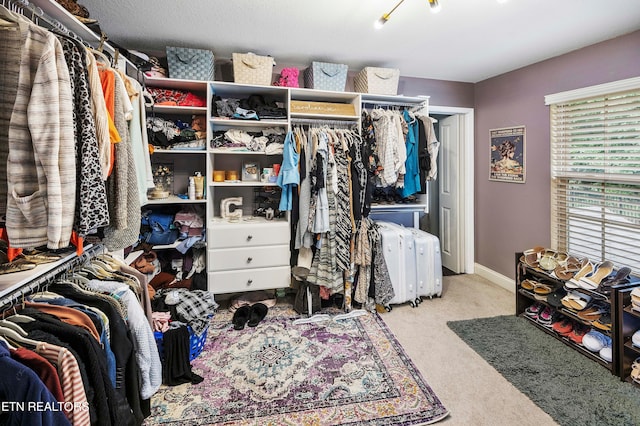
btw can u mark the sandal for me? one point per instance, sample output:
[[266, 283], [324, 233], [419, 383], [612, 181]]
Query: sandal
[[620, 277], [587, 268], [592, 281]]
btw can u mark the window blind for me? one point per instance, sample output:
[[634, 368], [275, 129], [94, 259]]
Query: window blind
[[595, 176]]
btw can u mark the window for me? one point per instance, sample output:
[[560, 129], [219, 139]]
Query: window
[[595, 172]]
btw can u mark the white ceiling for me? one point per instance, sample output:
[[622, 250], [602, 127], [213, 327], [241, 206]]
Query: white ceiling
[[468, 41]]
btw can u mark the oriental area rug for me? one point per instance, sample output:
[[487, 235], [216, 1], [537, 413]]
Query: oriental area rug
[[333, 372]]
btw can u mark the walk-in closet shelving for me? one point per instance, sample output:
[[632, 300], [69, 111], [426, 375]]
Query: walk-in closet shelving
[[249, 252], [420, 207]]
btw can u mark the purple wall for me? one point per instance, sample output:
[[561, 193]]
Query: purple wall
[[513, 217]]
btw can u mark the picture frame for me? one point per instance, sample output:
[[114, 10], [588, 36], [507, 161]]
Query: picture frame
[[507, 154], [250, 171]]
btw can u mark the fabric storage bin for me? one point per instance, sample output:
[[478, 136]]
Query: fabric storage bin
[[379, 81], [196, 343], [190, 64], [326, 76], [249, 68]]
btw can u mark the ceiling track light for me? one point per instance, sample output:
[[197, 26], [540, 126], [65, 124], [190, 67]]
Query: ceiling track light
[[434, 6], [385, 17]]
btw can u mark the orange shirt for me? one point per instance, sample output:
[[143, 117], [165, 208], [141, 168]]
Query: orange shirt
[[108, 80]]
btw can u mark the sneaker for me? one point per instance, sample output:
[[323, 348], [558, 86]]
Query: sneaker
[[577, 334], [563, 327], [533, 310], [545, 317], [595, 341]]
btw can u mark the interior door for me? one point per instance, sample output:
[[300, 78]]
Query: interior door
[[450, 178]]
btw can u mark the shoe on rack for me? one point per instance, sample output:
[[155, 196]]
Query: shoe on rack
[[592, 281], [533, 310], [595, 341], [578, 333], [563, 327], [574, 282], [546, 316], [603, 323]]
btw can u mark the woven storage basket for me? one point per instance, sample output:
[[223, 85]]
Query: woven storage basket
[[190, 64], [326, 76], [249, 68], [380, 81]]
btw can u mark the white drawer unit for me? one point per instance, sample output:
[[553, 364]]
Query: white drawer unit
[[226, 259], [249, 279], [227, 235]]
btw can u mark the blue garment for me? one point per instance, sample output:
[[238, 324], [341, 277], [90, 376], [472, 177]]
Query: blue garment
[[412, 168], [31, 403], [289, 175]]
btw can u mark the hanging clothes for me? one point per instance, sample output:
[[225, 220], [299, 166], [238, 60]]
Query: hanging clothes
[[37, 161], [289, 175], [92, 211]]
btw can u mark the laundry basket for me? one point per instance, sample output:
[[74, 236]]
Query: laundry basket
[[196, 342]]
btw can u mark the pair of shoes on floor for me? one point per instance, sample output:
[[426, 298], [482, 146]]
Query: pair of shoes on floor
[[598, 343], [249, 315]]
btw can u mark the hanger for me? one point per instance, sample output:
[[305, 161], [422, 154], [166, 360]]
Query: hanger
[[12, 325], [9, 345], [16, 338], [101, 58]]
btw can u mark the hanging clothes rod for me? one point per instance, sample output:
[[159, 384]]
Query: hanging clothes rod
[[54, 15], [394, 103], [37, 14], [30, 286], [322, 122]]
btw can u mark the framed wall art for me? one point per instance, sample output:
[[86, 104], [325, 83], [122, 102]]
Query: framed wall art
[[508, 154]]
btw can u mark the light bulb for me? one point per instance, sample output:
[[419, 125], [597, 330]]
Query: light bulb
[[380, 22], [435, 6]]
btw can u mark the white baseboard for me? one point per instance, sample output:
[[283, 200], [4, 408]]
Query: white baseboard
[[499, 279]]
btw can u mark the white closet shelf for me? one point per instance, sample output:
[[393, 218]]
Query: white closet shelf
[[238, 151], [179, 151], [167, 109], [172, 199], [256, 124], [245, 184], [175, 83], [238, 90], [323, 117], [322, 95], [10, 283]]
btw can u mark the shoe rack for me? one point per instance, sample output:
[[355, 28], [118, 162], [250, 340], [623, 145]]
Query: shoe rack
[[624, 321], [627, 322]]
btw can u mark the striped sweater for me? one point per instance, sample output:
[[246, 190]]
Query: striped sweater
[[36, 139]]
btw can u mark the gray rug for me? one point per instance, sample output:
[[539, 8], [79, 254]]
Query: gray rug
[[571, 388]]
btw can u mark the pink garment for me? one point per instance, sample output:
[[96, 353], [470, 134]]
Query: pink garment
[[161, 321]]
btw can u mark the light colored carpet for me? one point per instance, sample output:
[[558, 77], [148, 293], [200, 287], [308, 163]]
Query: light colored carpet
[[471, 389]]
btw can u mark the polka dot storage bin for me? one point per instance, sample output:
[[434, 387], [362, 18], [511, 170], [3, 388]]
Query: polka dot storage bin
[[326, 76]]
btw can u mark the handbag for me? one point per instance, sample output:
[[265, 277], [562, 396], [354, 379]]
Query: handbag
[[190, 64]]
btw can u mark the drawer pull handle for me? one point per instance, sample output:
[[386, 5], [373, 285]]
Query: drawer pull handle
[[249, 237], [249, 282], [249, 259]]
